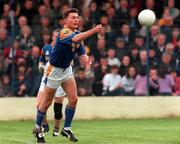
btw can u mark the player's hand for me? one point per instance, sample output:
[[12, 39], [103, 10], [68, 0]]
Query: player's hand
[[88, 64], [99, 28], [41, 68]]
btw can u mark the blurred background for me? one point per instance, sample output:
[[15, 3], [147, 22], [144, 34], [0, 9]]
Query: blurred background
[[119, 53]]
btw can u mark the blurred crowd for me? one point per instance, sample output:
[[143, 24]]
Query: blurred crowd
[[119, 53]]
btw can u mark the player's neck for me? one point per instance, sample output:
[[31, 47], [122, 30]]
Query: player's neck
[[72, 29]]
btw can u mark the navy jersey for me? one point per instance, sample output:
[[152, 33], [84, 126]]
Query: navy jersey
[[65, 49], [46, 53]]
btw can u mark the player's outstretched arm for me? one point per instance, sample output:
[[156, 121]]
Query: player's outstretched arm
[[84, 35], [86, 61]]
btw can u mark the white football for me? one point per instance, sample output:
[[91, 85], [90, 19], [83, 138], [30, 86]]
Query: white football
[[146, 17]]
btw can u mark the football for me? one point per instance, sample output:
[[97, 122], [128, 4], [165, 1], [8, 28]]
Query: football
[[146, 17]]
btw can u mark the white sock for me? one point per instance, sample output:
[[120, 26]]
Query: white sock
[[67, 128], [38, 127]]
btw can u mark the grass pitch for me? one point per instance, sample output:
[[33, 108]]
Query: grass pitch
[[144, 131]]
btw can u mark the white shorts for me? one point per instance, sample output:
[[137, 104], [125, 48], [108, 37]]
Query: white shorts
[[56, 76], [59, 92]]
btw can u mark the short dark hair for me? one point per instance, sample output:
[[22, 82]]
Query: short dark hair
[[56, 30], [68, 11]]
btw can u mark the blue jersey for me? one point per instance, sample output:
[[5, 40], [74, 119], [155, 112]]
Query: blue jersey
[[65, 49], [46, 53]]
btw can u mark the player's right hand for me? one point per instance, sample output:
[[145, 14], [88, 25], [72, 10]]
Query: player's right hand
[[99, 28], [41, 68], [88, 64]]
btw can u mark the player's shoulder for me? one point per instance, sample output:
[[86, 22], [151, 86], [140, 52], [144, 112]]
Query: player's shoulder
[[64, 32], [46, 47]]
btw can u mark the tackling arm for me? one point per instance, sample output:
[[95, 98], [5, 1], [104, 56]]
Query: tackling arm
[[86, 61], [84, 35]]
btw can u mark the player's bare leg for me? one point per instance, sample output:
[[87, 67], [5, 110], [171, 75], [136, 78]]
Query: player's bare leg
[[42, 109], [58, 104], [45, 124], [70, 89]]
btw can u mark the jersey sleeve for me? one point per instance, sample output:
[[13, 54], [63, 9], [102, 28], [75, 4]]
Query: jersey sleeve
[[81, 50], [42, 56], [67, 35]]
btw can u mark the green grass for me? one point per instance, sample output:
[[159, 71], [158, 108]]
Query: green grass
[[145, 131]]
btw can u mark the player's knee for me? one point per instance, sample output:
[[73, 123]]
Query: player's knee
[[58, 111], [73, 101], [46, 105]]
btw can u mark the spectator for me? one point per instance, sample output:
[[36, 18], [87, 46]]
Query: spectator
[[166, 20], [5, 88], [99, 51], [174, 12], [60, 22], [111, 13], [28, 11], [120, 48], [99, 73], [22, 85], [104, 21], [175, 35], [154, 91], [177, 51], [129, 81], [139, 41], [125, 33], [142, 62], [166, 61], [42, 11], [122, 32], [150, 4], [22, 21], [123, 12], [56, 13], [3, 23], [42, 28], [153, 61], [112, 83], [154, 31], [141, 83], [170, 48], [125, 63], [86, 15], [4, 39], [175, 77], [160, 45], [33, 62], [6, 10], [134, 54], [27, 40], [46, 38], [177, 86], [94, 13], [84, 84], [133, 22], [112, 60], [165, 81], [81, 24], [17, 51]]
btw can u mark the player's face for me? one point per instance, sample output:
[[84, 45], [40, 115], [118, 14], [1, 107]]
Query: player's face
[[72, 21]]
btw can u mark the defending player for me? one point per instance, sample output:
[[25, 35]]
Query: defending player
[[59, 95], [59, 71]]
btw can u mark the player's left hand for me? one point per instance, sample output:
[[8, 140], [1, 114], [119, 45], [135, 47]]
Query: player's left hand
[[88, 64]]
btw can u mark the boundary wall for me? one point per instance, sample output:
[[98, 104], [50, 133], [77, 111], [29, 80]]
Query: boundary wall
[[97, 108]]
